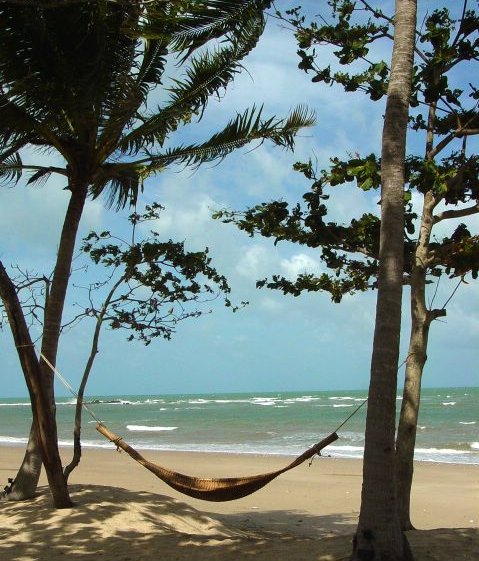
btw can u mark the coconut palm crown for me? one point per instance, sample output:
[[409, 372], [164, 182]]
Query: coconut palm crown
[[78, 79]]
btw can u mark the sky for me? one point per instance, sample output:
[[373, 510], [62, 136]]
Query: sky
[[276, 343]]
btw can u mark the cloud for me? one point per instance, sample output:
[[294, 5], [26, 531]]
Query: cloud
[[254, 263], [276, 341], [31, 221], [300, 264]]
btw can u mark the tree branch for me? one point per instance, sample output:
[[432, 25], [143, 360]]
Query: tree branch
[[86, 373], [458, 133], [448, 214], [379, 14], [467, 132]]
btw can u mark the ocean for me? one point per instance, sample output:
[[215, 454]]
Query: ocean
[[283, 423]]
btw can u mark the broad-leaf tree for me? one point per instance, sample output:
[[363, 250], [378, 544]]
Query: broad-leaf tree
[[146, 287], [150, 286], [77, 80], [441, 173]]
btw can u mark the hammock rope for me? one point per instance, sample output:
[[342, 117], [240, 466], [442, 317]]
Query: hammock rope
[[207, 489]]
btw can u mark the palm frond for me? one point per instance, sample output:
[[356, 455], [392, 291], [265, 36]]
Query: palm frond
[[11, 148], [212, 71], [76, 78], [11, 169], [18, 128], [200, 22], [152, 65], [15, 125], [124, 182], [120, 116], [300, 117], [245, 128], [40, 176], [206, 76], [48, 56]]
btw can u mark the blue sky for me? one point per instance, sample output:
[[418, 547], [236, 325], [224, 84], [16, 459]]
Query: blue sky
[[277, 342]]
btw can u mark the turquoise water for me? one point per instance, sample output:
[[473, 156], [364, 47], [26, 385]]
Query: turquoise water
[[261, 423]]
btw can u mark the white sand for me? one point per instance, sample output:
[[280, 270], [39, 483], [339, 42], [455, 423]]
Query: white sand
[[123, 513]]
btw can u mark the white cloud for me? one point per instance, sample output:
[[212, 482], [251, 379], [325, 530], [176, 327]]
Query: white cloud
[[254, 262], [31, 219], [300, 264], [188, 218], [335, 337]]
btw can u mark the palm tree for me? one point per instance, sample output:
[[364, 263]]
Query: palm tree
[[75, 80], [379, 534]]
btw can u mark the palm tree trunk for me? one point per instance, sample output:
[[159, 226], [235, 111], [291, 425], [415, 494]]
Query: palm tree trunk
[[53, 314], [61, 275], [379, 535]]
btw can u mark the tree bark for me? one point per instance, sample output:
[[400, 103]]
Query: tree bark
[[55, 304], [24, 485], [43, 414], [38, 374], [61, 275], [421, 319], [379, 535], [407, 427]]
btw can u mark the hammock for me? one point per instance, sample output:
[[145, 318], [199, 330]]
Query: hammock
[[223, 489]]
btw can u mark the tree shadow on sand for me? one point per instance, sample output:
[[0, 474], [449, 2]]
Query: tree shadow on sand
[[121, 525], [295, 523]]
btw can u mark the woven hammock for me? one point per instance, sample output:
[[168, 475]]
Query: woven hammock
[[217, 490]]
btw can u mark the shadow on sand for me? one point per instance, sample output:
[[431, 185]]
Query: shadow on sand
[[121, 525]]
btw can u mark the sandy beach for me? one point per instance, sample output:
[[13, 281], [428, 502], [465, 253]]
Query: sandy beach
[[124, 513]]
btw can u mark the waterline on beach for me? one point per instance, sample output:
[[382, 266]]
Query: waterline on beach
[[267, 424]]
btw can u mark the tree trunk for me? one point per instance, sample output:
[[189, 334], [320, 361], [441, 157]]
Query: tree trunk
[[24, 485], [407, 428], [55, 304], [38, 374], [421, 319], [43, 415], [86, 373], [55, 300], [379, 536]]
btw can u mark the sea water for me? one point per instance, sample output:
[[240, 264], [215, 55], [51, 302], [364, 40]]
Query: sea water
[[283, 423]]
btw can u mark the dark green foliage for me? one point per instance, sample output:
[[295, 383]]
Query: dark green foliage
[[446, 170], [76, 78], [350, 43], [154, 284]]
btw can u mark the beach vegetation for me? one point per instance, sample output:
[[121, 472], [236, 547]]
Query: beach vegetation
[[379, 534], [102, 88], [441, 176], [149, 287]]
